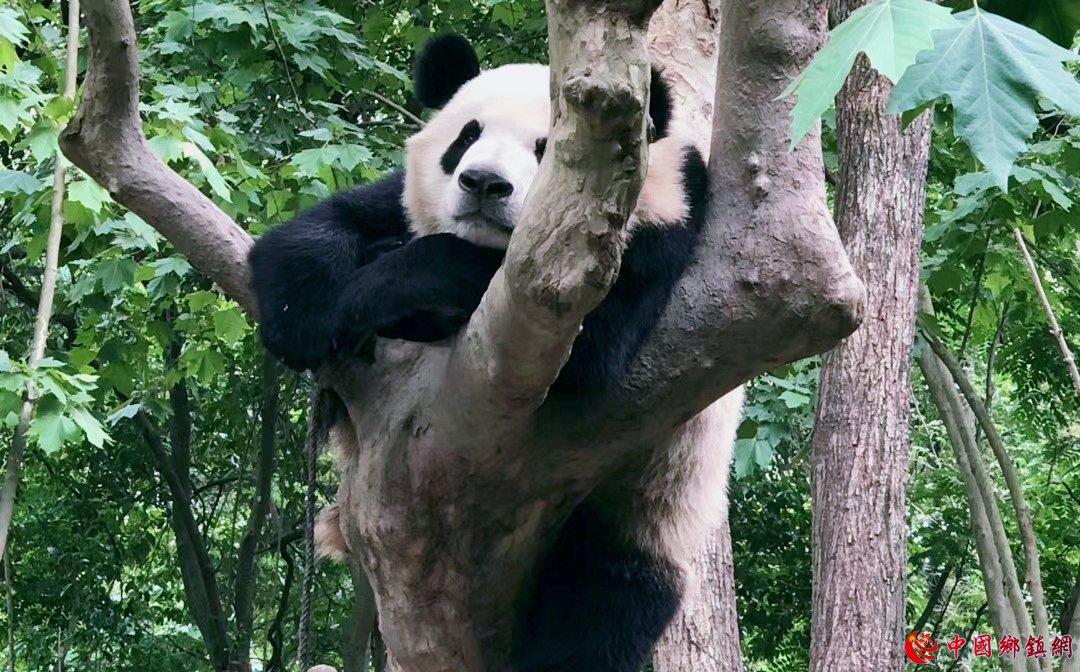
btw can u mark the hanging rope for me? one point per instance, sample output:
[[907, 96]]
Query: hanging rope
[[311, 452]]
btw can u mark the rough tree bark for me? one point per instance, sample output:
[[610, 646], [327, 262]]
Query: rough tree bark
[[461, 469], [860, 442], [704, 636]]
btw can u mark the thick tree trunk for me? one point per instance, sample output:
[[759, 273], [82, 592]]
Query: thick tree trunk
[[704, 637], [860, 442]]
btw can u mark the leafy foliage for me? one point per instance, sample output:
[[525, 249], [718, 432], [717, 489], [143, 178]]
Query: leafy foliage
[[993, 71]]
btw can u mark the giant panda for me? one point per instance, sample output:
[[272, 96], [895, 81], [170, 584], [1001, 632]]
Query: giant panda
[[410, 256]]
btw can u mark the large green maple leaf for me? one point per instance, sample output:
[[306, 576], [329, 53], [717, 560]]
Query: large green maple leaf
[[889, 32], [993, 71]]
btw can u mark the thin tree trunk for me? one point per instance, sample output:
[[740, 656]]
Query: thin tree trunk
[[9, 588], [358, 634], [704, 636], [1073, 664], [860, 442], [246, 564], [196, 569], [13, 472]]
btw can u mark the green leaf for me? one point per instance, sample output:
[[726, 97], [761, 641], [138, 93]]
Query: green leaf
[[10, 26], [993, 71], [313, 62], [310, 161], [124, 413], [230, 325], [793, 399], [14, 181], [90, 426], [167, 147], [201, 299], [178, 266], [1057, 19], [42, 141], [89, 193], [9, 113], [59, 107], [889, 32], [210, 172], [50, 427], [115, 274]]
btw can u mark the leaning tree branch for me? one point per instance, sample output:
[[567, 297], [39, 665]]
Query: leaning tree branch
[[1012, 480], [1055, 328], [13, 471], [106, 140]]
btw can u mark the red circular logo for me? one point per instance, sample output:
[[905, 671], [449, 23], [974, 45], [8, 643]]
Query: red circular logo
[[920, 648]]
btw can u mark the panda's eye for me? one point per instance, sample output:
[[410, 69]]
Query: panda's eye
[[541, 147], [470, 133]]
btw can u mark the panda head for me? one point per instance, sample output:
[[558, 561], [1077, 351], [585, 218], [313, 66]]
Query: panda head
[[468, 170]]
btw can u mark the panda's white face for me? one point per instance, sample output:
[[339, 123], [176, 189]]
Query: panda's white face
[[469, 169]]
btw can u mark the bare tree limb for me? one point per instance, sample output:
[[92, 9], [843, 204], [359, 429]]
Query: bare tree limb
[[106, 140], [9, 591], [1055, 328], [13, 471], [564, 256], [1012, 481], [274, 633], [770, 261]]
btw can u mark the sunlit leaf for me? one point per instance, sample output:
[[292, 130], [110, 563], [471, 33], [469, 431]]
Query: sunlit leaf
[[889, 32]]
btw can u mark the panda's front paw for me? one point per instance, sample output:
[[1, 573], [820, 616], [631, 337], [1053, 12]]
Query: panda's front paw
[[298, 351]]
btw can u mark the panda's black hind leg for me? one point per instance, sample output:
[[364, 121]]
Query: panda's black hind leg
[[598, 607]]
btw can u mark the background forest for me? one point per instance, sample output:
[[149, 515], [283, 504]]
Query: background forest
[[154, 378]]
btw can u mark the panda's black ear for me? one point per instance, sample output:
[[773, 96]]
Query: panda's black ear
[[660, 104], [444, 64]]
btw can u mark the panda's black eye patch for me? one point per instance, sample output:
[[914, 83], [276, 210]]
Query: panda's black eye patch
[[469, 134], [541, 147]]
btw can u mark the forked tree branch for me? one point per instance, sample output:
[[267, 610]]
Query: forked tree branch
[[106, 140]]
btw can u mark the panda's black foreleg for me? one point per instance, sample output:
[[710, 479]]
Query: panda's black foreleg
[[422, 291], [598, 606]]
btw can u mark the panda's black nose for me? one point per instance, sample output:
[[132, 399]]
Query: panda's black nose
[[485, 184]]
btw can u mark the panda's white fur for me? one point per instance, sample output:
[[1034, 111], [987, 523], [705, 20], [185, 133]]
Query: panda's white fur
[[686, 484], [435, 201]]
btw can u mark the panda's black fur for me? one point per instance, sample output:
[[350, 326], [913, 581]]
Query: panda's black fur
[[353, 265]]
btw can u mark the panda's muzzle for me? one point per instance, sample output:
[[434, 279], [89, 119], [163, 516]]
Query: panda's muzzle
[[484, 185]]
